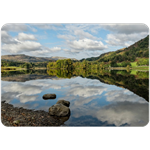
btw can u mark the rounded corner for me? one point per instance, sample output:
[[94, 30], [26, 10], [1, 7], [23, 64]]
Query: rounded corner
[[3, 25], [145, 26]]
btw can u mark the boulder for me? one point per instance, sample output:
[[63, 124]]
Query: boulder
[[66, 103], [49, 96], [61, 120], [59, 110]]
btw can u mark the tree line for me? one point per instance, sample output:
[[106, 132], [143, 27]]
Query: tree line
[[86, 65], [27, 65]]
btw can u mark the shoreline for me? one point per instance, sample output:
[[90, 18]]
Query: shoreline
[[19, 116], [132, 68]]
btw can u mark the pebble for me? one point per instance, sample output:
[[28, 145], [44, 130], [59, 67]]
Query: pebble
[[14, 116]]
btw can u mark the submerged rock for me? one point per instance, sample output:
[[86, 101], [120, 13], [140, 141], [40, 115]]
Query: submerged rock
[[66, 103], [59, 110], [49, 96]]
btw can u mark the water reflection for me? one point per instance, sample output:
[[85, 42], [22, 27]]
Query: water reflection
[[93, 102]]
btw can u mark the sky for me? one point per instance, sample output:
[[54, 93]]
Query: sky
[[68, 40]]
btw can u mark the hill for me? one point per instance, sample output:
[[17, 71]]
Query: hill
[[26, 58], [139, 49]]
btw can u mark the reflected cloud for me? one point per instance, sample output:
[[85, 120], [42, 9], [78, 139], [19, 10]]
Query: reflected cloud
[[81, 101], [45, 84], [87, 91], [134, 114], [118, 114], [22, 88], [123, 95], [8, 96], [27, 98], [92, 102]]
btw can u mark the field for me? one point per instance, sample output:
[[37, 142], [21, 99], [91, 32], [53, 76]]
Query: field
[[134, 66]]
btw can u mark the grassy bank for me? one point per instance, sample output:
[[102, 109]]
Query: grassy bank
[[118, 68], [146, 68], [12, 68], [137, 68]]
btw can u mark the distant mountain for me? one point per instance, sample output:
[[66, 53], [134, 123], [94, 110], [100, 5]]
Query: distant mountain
[[26, 58]]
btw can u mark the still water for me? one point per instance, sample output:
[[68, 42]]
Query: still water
[[92, 101]]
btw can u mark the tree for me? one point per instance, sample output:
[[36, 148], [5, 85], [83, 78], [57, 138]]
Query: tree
[[128, 68], [146, 54], [102, 65], [84, 64], [58, 63]]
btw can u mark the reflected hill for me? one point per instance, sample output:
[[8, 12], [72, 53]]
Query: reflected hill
[[138, 83], [130, 82], [26, 75]]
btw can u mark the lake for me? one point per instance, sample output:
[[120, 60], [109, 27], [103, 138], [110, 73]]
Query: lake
[[113, 98]]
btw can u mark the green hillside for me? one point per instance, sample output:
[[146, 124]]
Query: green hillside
[[132, 53]]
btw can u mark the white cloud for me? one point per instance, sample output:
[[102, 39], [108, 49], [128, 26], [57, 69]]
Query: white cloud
[[85, 44], [82, 34], [15, 27], [45, 51], [84, 27], [48, 26], [23, 43], [76, 34], [22, 46], [24, 37], [66, 37], [126, 28], [94, 31], [54, 49], [124, 39], [6, 38], [40, 52]]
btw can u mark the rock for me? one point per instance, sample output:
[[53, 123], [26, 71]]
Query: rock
[[66, 103], [59, 110], [61, 120], [49, 96]]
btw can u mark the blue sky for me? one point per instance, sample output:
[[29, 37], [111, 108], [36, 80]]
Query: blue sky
[[69, 40]]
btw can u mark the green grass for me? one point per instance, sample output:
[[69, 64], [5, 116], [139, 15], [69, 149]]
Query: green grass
[[133, 72], [133, 64], [140, 68]]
